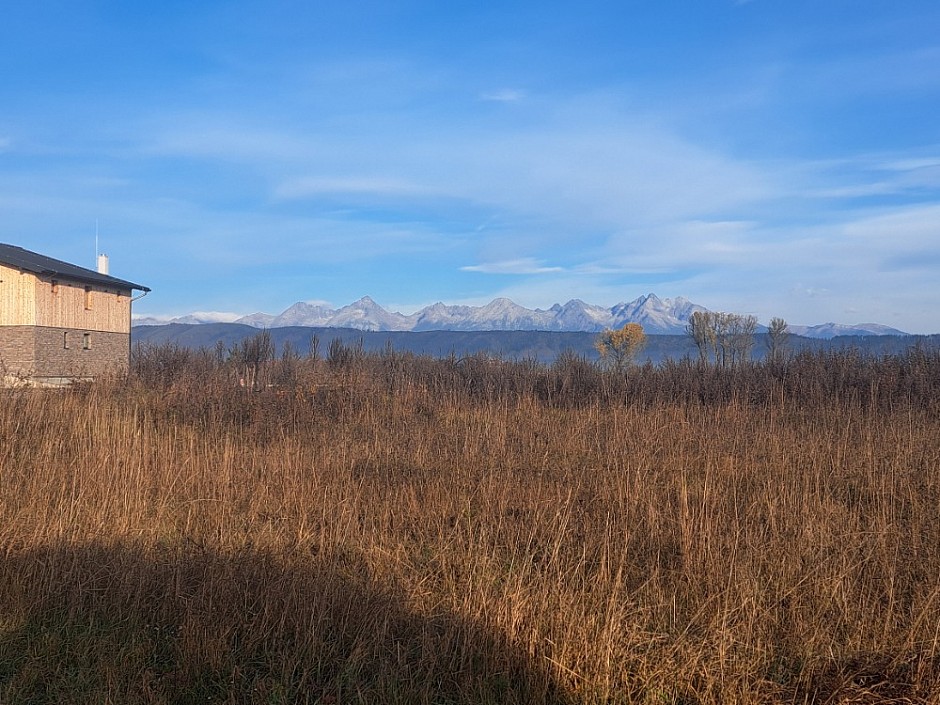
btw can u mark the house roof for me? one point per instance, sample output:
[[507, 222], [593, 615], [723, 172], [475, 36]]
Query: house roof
[[14, 256]]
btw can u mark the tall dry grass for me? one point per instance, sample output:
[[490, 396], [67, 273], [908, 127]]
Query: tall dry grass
[[384, 528]]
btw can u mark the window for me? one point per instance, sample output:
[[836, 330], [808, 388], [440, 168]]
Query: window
[[88, 298], [65, 340], [86, 341]]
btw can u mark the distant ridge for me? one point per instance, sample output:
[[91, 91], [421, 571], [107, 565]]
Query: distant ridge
[[657, 316], [834, 330]]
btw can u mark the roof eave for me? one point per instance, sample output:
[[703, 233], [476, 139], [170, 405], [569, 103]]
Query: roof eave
[[122, 283]]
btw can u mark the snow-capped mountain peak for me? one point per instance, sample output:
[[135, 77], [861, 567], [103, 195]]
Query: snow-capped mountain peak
[[301, 314], [366, 314], [657, 316]]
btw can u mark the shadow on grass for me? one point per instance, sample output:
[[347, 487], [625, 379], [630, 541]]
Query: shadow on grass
[[103, 623], [871, 679]]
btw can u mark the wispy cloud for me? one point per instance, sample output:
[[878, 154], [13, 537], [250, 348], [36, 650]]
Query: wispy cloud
[[578, 160], [220, 136], [913, 163], [504, 95], [336, 186], [907, 173], [678, 245], [524, 265]]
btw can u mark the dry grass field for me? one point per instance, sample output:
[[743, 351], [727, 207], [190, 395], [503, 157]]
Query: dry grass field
[[391, 529]]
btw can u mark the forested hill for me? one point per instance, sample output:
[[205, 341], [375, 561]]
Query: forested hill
[[543, 346]]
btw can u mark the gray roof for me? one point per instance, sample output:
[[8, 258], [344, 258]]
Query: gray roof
[[14, 256]]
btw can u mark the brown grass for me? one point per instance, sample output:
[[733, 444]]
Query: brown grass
[[394, 529]]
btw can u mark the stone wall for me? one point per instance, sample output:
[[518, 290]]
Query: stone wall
[[17, 349], [45, 352]]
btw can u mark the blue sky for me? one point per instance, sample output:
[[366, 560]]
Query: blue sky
[[774, 157]]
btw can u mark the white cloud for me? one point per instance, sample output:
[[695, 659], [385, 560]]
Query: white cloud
[[524, 265], [201, 316], [216, 316]]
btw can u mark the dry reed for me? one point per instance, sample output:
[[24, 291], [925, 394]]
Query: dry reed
[[383, 528]]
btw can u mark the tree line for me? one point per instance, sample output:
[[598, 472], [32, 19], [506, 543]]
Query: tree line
[[723, 340]]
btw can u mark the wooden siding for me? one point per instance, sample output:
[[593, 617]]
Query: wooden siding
[[26, 299], [17, 297], [76, 305]]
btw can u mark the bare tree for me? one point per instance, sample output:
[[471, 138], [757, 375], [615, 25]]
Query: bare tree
[[741, 338], [701, 329], [722, 339], [314, 353], [251, 357], [778, 335], [724, 352], [287, 369]]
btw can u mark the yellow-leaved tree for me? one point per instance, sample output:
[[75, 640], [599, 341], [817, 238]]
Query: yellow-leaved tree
[[619, 348]]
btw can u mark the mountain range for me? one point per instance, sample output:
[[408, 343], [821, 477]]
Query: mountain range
[[657, 316]]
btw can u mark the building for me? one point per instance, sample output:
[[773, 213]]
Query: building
[[60, 322]]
